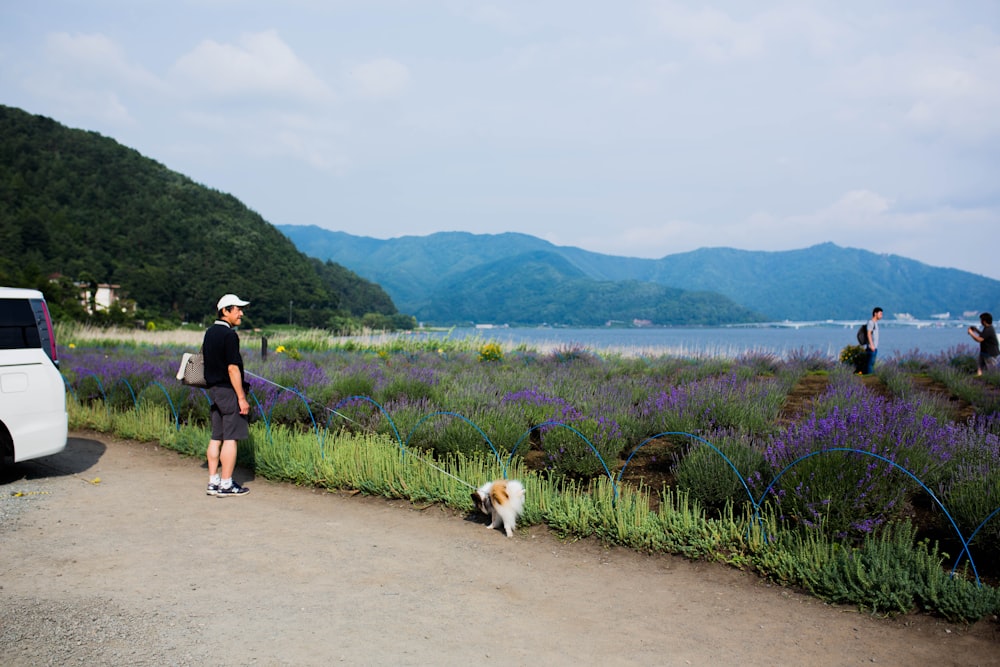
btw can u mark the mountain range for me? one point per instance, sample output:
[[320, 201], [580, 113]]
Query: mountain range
[[459, 277]]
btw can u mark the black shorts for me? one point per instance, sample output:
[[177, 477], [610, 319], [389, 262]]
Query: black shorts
[[987, 363], [227, 422]]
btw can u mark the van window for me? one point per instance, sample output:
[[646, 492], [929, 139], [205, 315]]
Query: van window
[[26, 323], [47, 337], [18, 327]]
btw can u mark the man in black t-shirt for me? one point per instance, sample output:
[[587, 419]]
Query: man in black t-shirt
[[989, 350], [228, 391]]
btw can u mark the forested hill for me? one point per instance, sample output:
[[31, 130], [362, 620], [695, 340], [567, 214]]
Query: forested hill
[[80, 205], [822, 282], [458, 278]]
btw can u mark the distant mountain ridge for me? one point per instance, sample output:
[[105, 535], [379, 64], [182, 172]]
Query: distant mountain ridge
[[457, 276]]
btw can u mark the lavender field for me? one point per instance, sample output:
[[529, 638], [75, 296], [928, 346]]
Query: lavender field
[[825, 450]]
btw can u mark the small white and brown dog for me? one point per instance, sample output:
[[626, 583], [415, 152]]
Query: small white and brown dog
[[503, 501]]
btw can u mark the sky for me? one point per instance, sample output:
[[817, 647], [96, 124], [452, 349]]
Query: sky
[[631, 128]]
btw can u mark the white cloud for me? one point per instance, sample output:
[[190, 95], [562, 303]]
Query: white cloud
[[492, 15], [263, 137], [283, 112], [102, 105], [715, 35], [90, 76], [962, 100], [856, 205], [641, 79], [943, 85], [857, 218], [95, 57], [711, 33], [382, 77], [260, 65]]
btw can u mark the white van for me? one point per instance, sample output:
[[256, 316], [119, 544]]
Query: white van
[[33, 420]]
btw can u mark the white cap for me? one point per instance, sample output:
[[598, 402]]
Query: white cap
[[231, 300]]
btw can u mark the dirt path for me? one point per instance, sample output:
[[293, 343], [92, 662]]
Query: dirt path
[[142, 568]]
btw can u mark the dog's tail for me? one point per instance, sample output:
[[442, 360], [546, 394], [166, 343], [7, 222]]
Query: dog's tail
[[515, 493]]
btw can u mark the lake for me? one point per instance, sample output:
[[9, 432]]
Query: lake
[[897, 339]]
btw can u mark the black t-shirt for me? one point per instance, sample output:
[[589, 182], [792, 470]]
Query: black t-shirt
[[221, 348], [989, 346]]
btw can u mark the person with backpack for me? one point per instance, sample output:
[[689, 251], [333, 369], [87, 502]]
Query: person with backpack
[[989, 350], [871, 344]]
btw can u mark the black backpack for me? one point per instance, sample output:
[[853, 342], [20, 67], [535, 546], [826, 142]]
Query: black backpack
[[863, 335]]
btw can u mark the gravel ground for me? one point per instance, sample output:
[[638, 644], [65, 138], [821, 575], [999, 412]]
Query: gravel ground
[[111, 554], [67, 629]]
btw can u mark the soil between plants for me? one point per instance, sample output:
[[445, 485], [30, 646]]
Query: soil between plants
[[112, 554]]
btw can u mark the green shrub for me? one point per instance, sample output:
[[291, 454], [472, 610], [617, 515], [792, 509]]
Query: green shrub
[[721, 402], [409, 388], [704, 474], [357, 384], [567, 451], [970, 501], [964, 364], [446, 434], [490, 352], [963, 384], [855, 357], [900, 384], [888, 573]]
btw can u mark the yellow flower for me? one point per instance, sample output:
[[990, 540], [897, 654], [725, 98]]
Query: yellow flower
[[72, 346], [491, 352]]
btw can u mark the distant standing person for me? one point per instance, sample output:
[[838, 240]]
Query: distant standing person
[[228, 391], [872, 346], [989, 350]]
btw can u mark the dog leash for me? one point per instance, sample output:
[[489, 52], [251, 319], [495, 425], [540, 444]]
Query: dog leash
[[346, 418], [295, 391]]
